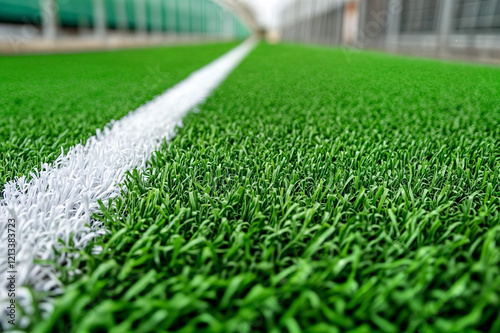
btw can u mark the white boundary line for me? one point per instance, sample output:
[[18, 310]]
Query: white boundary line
[[59, 200]]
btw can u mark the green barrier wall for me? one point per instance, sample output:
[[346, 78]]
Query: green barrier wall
[[22, 11], [184, 16]]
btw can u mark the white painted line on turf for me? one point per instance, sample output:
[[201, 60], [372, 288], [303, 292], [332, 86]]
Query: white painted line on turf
[[58, 202]]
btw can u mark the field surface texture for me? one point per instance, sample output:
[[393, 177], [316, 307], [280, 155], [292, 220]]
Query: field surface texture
[[315, 191], [56, 101]]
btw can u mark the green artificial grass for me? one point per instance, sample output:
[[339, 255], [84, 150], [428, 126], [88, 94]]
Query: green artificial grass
[[315, 191], [49, 102]]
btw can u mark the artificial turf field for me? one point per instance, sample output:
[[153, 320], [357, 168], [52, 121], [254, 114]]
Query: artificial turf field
[[51, 102], [316, 191]]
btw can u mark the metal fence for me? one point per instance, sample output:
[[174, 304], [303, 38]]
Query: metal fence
[[477, 16], [52, 17], [445, 28], [312, 21]]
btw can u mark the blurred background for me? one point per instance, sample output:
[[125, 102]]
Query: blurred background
[[51, 25], [466, 29]]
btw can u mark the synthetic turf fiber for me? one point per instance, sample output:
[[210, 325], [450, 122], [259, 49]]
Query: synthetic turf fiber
[[315, 191], [51, 102], [53, 211]]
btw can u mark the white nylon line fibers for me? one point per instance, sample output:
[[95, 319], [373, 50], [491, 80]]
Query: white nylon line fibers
[[59, 200]]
